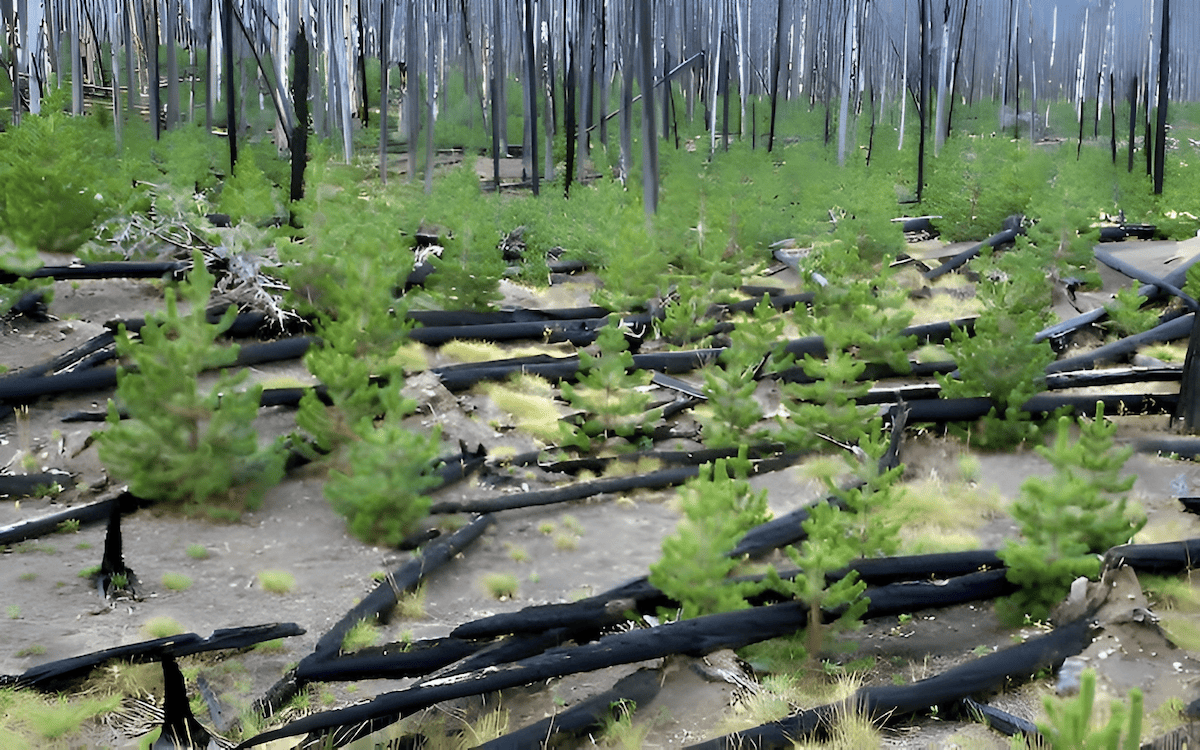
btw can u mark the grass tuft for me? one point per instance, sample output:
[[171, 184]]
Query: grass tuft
[[276, 581], [361, 635], [500, 585], [197, 551], [176, 581], [162, 627]]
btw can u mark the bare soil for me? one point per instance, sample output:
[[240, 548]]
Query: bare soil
[[557, 553]]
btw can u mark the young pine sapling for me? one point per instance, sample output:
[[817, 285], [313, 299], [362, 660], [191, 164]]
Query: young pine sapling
[[719, 507], [732, 416], [181, 444], [608, 390], [1067, 518]]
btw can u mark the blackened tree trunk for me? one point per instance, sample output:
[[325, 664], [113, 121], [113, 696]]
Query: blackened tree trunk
[[922, 109], [230, 105], [1133, 100], [775, 72], [300, 106], [531, 78], [1160, 135]]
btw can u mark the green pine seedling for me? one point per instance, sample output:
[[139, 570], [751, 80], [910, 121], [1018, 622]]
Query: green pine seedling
[[839, 533], [1069, 723], [733, 416], [382, 478], [1125, 314], [607, 391], [719, 507], [181, 445], [1068, 518], [827, 406]]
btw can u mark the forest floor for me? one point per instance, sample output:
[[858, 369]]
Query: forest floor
[[557, 553]]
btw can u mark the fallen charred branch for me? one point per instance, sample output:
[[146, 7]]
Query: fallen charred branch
[[654, 480], [66, 359], [390, 662], [463, 318], [1172, 330], [695, 637], [25, 389], [674, 458], [404, 578], [1177, 277], [1184, 447], [84, 514], [1135, 273], [940, 411], [1012, 228], [115, 269], [885, 703], [628, 693], [461, 377], [1002, 721], [57, 675], [1126, 231], [641, 596], [26, 485]]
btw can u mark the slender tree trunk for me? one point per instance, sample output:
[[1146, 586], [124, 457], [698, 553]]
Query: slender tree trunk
[[849, 30], [1133, 100], [939, 116], [1112, 116], [230, 102], [412, 89], [775, 65], [904, 80], [385, 77], [170, 29], [531, 84], [922, 107], [649, 129], [1164, 62], [300, 105]]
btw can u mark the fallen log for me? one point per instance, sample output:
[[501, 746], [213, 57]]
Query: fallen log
[[1137, 274], [889, 702], [404, 578], [940, 411], [671, 477], [390, 662], [84, 514], [114, 269], [632, 691], [1165, 558], [26, 485], [695, 637], [57, 675], [1012, 228], [1170, 331]]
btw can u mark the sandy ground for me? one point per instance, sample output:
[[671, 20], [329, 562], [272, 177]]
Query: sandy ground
[[557, 553]]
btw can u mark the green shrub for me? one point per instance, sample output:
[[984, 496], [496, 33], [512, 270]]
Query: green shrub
[[58, 177], [607, 391]]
